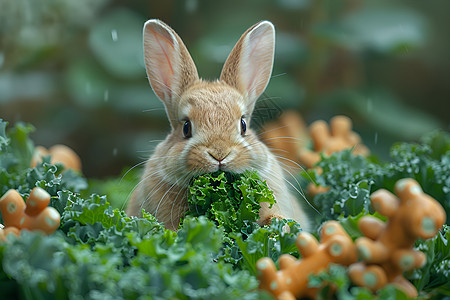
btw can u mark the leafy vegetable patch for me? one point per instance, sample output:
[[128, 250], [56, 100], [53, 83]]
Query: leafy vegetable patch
[[99, 252], [353, 178], [232, 201]]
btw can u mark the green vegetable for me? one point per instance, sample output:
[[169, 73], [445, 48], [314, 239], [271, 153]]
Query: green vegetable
[[231, 201], [98, 252], [434, 277], [353, 178], [336, 278], [160, 264], [101, 253], [16, 150], [269, 241]]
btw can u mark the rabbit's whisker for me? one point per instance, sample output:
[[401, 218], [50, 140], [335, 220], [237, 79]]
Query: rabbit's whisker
[[167, 87], [142, 180], [165, 194], [275, 150], [270, 130], [152, 109], [185, 206], [130, 169], [284, 139], [297, 165], [285, 168]]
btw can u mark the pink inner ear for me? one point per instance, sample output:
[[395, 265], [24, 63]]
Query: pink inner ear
[[256, 61], [166, 41], [255, 66], [160, 55]]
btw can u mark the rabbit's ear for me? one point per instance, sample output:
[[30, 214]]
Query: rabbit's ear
[[249, 66], [170, 68]]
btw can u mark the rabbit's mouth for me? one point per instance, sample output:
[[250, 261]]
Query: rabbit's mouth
[[220, 159], [212, 162]]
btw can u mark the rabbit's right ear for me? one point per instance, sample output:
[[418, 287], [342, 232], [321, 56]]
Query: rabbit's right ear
[[170, 68], [249, 66]]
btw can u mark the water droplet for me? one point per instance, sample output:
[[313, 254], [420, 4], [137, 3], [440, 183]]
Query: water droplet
[[115, 151], [2, 59], [376, 138], [353, 192], [191, 5], [369, 105], [106, 95], [114, 35], [88, 88]]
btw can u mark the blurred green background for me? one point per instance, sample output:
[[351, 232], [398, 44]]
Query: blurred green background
[[74, 69]]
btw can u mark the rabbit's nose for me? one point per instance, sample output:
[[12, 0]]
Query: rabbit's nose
[[219, 155]]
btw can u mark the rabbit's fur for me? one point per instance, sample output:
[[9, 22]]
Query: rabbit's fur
[[217, 113]]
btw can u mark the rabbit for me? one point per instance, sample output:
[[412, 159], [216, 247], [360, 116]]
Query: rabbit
[[210, 124]]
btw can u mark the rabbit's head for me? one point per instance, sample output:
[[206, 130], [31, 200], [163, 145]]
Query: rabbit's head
[[210, 120]]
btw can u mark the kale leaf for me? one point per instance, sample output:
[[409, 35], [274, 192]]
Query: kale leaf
[[232, 201], [353, 178], [99, 252]]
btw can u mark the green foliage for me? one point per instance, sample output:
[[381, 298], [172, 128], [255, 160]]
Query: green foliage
[[116, 189], [434, 277], [268, 241], [17, 149], [3, 138], [353, 178], [160, 264], [231, 201], [337, 278], [15, 171], [100, 252]]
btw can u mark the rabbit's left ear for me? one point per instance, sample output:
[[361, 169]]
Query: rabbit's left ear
[[249, 66]]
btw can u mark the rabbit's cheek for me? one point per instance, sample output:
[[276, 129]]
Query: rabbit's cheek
[[173, 163], [238, 161], [197, 162]]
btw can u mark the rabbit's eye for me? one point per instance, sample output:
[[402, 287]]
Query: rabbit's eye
[[187, 129], [243, 126]]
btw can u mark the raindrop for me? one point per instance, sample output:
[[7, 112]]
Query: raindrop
[[2, 59], [115, 151], [353, 192], [88, 88], [114, 35], [106, 95], [191, 5], [369, 105], [376, 138]]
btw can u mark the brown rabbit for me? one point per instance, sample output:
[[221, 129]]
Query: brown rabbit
[[210, 124]]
